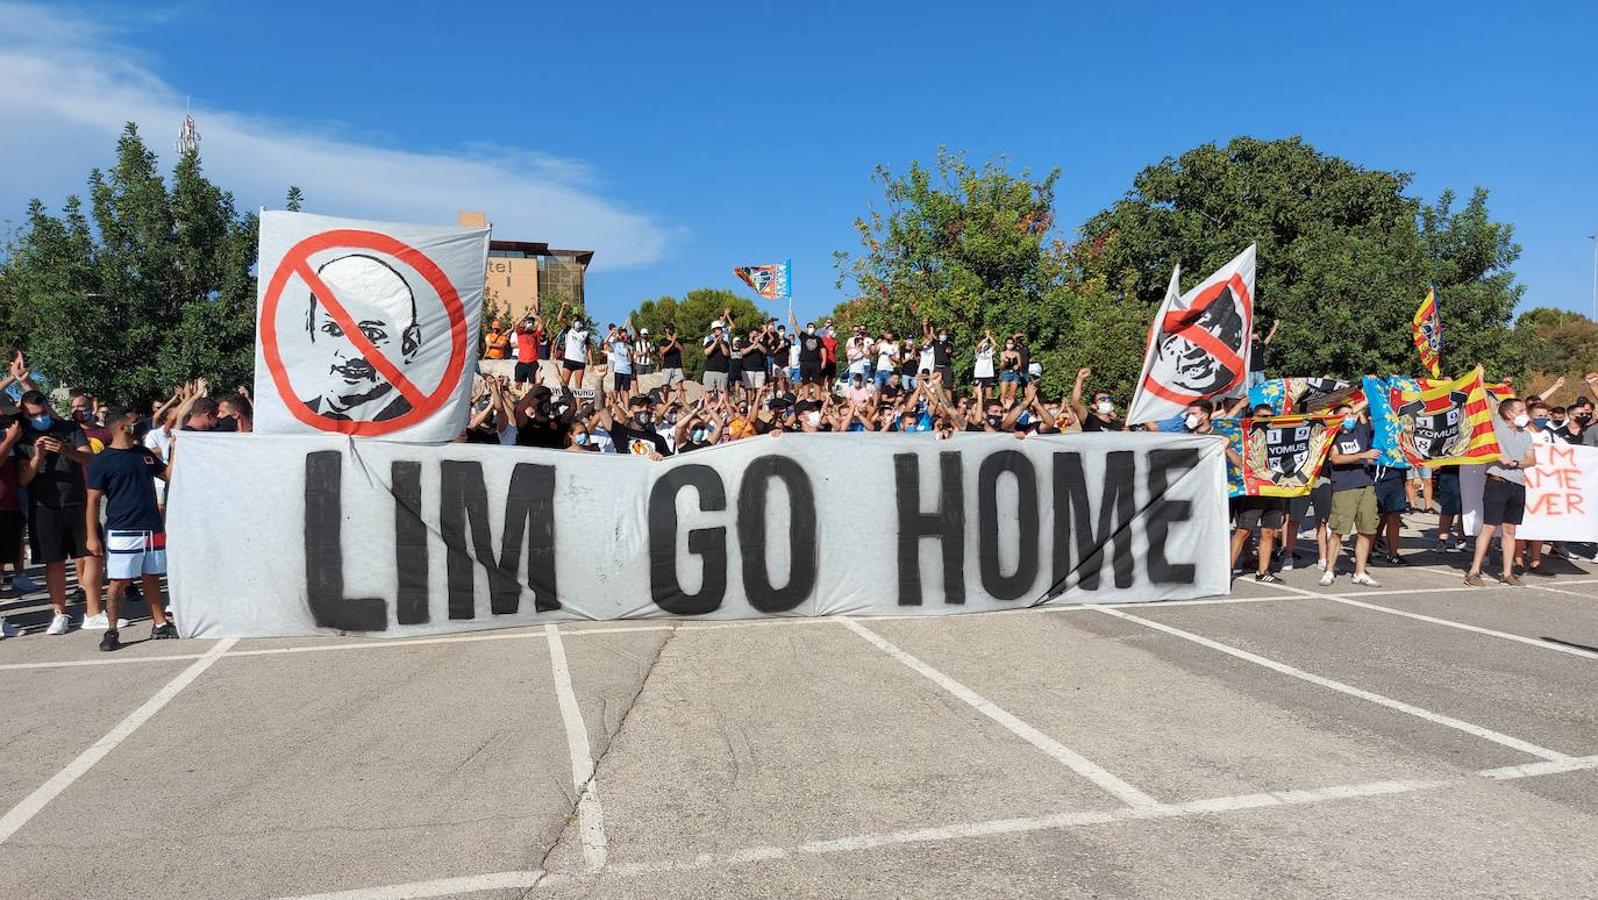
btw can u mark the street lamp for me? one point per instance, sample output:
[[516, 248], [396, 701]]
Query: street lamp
[[1594, 239]]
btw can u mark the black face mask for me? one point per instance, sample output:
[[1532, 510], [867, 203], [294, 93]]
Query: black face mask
[[1584, 418], [643, 418], [995, 421]]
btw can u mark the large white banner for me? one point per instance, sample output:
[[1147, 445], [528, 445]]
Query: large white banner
[[278, 535], [1561, 495], [1199, 343], [366, 329]]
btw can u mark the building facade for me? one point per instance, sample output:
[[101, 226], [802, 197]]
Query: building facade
[[526, 277]]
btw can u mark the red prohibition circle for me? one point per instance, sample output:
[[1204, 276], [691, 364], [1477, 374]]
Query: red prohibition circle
[[297, 262], [1218, 350]]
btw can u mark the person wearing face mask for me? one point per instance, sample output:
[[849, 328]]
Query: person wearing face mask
[[1009, 371], [1268, 514], [52, 453], [1354, 506], [632, 430], [1504, 494], [1538, 427], [1102, 416], [236, 411], [574, 361], [135, 541]]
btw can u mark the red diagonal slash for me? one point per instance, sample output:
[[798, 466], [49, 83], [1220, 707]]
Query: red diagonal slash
[[357, 337]]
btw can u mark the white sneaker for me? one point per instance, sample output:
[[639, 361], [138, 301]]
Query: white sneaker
[[1320, 564], [1287, 563], [100, 623], [7, 629], [59, 624], [1328, 578], [1365, 579], [23, 584]]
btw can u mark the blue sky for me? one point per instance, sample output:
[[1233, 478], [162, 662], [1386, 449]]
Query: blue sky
[[678, 142]]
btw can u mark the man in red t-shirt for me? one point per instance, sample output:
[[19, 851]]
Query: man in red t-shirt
[[528, 336]]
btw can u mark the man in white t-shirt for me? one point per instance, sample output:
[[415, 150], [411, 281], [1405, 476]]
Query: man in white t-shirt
[[575, 362], [887, 358], [858, 353]]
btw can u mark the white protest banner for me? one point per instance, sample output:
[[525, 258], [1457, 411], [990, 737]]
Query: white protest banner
[[1199, 343], [1561, 495], [280, 535], [366, 329]]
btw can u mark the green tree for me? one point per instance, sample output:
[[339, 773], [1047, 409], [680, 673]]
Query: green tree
[[294, 199], [970, 249], [692, 316], [1345, 255], [157, 290], [1557, 343]]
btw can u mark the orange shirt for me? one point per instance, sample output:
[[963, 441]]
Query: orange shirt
[[495, 343]]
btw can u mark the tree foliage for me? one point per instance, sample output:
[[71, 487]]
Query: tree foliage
[[147, 287], [692, 316], [970, 249], [1345, 256], [1557, 342]]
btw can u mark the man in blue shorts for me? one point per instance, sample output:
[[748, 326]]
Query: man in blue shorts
[[135, 540]]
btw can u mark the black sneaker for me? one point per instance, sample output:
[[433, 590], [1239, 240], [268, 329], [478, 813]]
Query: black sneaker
[[1266, 578], [1539, 571], [164, 632], [1396, 560], [110, 643]]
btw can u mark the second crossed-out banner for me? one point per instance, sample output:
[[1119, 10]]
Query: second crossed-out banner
[[286, 535]]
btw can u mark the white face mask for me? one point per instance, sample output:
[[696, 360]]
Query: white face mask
[[1193, 421], [815, 419], [1105, 406], [1522, 420]]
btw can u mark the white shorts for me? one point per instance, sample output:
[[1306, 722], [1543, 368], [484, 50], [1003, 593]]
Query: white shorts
[[129, 554], [715, 381], [754, 379], [673, 375]]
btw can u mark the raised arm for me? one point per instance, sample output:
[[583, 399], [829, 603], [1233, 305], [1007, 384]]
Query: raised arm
[[1077, 409]]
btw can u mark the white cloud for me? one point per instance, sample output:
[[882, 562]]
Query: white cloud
[[67, 86]]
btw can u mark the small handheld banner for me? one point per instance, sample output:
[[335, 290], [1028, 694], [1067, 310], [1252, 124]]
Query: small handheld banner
[[364, 328], [1199, 343], [1427, 330], [1283, 455], [1445, 422], [1283, 395], [769, 281]]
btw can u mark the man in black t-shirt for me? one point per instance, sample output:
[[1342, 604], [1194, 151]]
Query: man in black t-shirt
[[636, 434], [1354, 507], [671, 357], [51, 454], [754, 364], [1102, 416], [135, 542]]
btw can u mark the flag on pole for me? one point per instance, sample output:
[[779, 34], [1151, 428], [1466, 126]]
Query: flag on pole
[[769, 281], [1199, 343], [1427, 330]]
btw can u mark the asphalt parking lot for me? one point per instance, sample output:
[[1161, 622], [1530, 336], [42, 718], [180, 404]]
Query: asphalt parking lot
[[1421, 739]]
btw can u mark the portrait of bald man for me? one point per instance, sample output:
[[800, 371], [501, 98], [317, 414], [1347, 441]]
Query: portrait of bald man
[[382, 305]]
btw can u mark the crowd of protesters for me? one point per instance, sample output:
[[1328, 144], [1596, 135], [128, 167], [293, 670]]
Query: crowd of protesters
[[88, 488]]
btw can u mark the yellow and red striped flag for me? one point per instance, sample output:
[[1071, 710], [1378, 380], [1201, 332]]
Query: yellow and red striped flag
[[1427, 330], [1446, 422]]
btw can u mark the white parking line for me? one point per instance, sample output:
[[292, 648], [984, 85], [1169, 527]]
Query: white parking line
[[1475, 629], [1056, 750], [590, 815], [1380, 700], [986, 828], [36, 801], [446, 887], [113, 661]]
